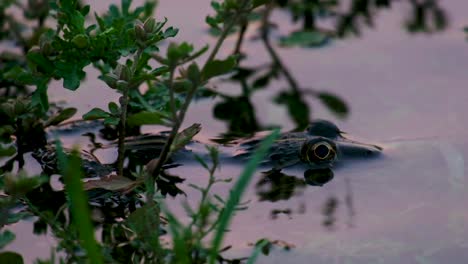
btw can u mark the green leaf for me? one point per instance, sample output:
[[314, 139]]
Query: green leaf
[[6, 237], [16, 217], [96, 113], [81, 41], [193, 74], [72, 74], [257, 3], [305, 39], [19, 75], [334, 103], [184, 137], [42, 62], [62, 116], [7, 152], [144, 221], [113, 108], [170, 32], [258, 248], [146, 118], [111, 120], [78, 201], [11, 258], [212, 22], [237, 191], [218, 67], [160, 70], [19, 185], [201, 161], [39, 96], [176, 52]]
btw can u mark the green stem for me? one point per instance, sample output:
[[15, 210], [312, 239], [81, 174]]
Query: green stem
[[123, 100], [122, 127], [167, 146], [20, 142], [171, 96], [240, 38]]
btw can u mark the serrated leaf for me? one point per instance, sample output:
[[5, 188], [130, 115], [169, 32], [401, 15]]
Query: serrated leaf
[[96, 113], [218, 67], [170, 32], [334, 103], [62, 116], [72, 74], [144, 221]]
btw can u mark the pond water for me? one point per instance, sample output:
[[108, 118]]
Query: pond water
[[406, 93]]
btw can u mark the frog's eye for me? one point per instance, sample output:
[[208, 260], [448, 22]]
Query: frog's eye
[[318, 151], [321, 151]]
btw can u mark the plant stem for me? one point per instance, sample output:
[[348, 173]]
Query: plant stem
[[123, 100], [240, 38], [171, 96], [20, 142], [122, 127], [276, 59], [167, 146]]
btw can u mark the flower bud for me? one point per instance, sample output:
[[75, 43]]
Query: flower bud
[[81, 41], [123, 72], [140, 32], [149, 25], [111, 80]]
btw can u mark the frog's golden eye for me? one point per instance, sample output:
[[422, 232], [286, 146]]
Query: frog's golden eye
[[318, 151], [321, 150]]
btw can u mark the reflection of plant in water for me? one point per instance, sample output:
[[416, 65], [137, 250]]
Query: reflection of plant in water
[[275, 185], [322, 22]]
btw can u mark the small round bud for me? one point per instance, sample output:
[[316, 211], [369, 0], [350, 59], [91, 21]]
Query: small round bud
[[81, 41]]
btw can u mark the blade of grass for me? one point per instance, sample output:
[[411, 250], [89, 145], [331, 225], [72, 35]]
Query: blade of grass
[[237, 192], [181, 252], [256, 251], [72, 173]]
